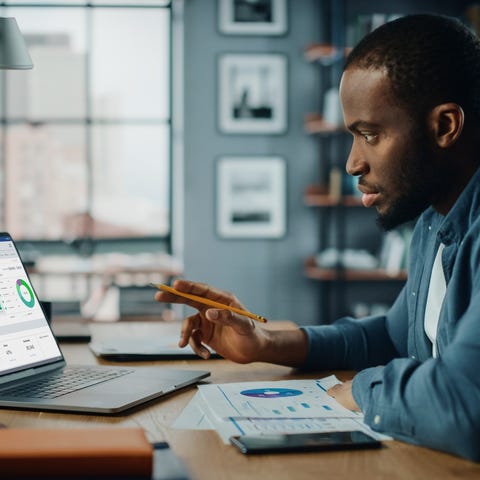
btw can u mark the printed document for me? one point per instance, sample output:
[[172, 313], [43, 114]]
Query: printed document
[[279, 399], [259, 408]]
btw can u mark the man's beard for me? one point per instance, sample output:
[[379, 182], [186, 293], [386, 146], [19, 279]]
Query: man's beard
[[422, 183], [405, 208]]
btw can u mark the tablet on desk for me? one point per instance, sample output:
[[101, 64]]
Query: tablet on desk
[[143, 348]]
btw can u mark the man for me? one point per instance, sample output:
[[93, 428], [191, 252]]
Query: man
[[410, 94]]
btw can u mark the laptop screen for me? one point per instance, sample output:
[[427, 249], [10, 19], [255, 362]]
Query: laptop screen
[[26, 339]]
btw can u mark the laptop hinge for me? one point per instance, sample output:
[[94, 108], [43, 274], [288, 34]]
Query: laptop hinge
[[31, 371]]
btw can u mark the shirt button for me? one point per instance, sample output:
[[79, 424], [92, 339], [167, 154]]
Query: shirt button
[[376, 420], [413, 293], [429, 227]]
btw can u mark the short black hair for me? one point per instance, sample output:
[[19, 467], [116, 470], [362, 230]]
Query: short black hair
[[429, 59]]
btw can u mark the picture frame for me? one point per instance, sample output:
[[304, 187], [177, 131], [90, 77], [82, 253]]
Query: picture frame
[[259, 17], [252, 93], [251, 197]]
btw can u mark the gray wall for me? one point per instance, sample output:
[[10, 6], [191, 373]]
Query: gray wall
[[267, 275]]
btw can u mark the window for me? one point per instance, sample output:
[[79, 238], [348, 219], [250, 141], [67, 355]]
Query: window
[[85, 135]]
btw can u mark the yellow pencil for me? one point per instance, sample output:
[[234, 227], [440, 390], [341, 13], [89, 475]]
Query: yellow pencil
[[206, 301]]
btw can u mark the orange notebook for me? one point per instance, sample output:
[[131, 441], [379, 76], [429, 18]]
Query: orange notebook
[[92, 452]]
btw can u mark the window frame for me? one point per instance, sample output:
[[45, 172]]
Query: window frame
[[88, 243]]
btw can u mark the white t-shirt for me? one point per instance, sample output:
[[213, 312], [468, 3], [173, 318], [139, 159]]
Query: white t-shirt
[[436, 294]]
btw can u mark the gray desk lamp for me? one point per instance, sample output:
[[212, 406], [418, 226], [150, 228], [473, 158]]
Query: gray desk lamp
[[13, 50]]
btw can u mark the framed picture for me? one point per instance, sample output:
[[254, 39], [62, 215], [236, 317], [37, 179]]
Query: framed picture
[[251, 197], [253, 93], [252, 17]]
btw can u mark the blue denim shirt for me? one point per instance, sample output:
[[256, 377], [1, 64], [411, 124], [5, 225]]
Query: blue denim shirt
[[401, 389]]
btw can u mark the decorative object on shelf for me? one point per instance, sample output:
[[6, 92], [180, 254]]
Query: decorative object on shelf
[[313, 271], [257, 17], [325, 53], [251, 198], [253, 93], [363, 309], [332, 108], [394, 252], [349, 258], [316, 124]]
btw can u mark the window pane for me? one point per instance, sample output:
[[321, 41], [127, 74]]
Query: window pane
[[55, 87], [131, 180], [97, 2], [50, 2], [2, 181], [47, 180], [130, 63], [130, 2]]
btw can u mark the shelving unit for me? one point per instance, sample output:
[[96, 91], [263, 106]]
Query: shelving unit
[[320, 196], [315, 123], [335, 204], [350, 275], [339, 218]]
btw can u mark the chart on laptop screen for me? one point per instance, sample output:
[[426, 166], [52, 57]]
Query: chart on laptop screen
[[25, 337]]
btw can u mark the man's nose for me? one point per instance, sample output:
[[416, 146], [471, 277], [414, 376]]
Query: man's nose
[[356, 165]]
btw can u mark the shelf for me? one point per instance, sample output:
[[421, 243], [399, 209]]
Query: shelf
[[325, 53], [314, 123], [330, 274], [318, 196]]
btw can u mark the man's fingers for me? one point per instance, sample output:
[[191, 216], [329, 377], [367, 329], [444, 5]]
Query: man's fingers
[[241, 324], [332, 391], [188, 326], [167, 297], [206, 291], [197, 346]]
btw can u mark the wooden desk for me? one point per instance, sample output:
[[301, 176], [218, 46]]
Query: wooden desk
[[205, 454]]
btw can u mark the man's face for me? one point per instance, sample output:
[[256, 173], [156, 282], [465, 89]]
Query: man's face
[[391, 153]]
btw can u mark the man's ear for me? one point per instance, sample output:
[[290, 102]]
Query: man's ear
[[446, 123]]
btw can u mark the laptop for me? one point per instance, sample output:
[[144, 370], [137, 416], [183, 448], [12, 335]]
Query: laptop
[[33, 371], [123, 349]]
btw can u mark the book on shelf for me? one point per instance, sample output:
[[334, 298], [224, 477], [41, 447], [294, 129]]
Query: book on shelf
[[394, 252], [335, 184], [325, 53]]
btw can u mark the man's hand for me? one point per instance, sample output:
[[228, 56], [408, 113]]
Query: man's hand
[[342, 393], [231, 335]]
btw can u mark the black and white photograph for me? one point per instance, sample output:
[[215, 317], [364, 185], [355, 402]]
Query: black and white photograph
[[252, 17], [252, 93], [251, 197]]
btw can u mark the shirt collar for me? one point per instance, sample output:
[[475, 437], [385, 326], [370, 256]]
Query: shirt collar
[[464, 211]]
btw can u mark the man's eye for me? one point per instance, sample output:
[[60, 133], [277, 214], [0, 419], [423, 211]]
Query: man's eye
[[369, 137]]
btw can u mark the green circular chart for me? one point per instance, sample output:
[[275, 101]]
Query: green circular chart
[[25, 293]]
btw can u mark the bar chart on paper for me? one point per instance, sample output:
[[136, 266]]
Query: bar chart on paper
[[280, 399], [260, 408]]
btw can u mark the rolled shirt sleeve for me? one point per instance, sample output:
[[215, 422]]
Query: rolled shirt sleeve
[[359, 343], [435, 403]]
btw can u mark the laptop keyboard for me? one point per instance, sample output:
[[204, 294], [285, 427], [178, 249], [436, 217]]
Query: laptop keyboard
[[67, 381]]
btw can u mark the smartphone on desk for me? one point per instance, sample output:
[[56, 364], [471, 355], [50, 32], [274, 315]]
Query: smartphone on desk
[[304, 442]]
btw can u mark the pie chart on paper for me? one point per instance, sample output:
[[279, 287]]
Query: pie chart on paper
[[271, 392]]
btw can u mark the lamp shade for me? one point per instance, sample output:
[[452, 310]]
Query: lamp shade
[[13, 50]]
